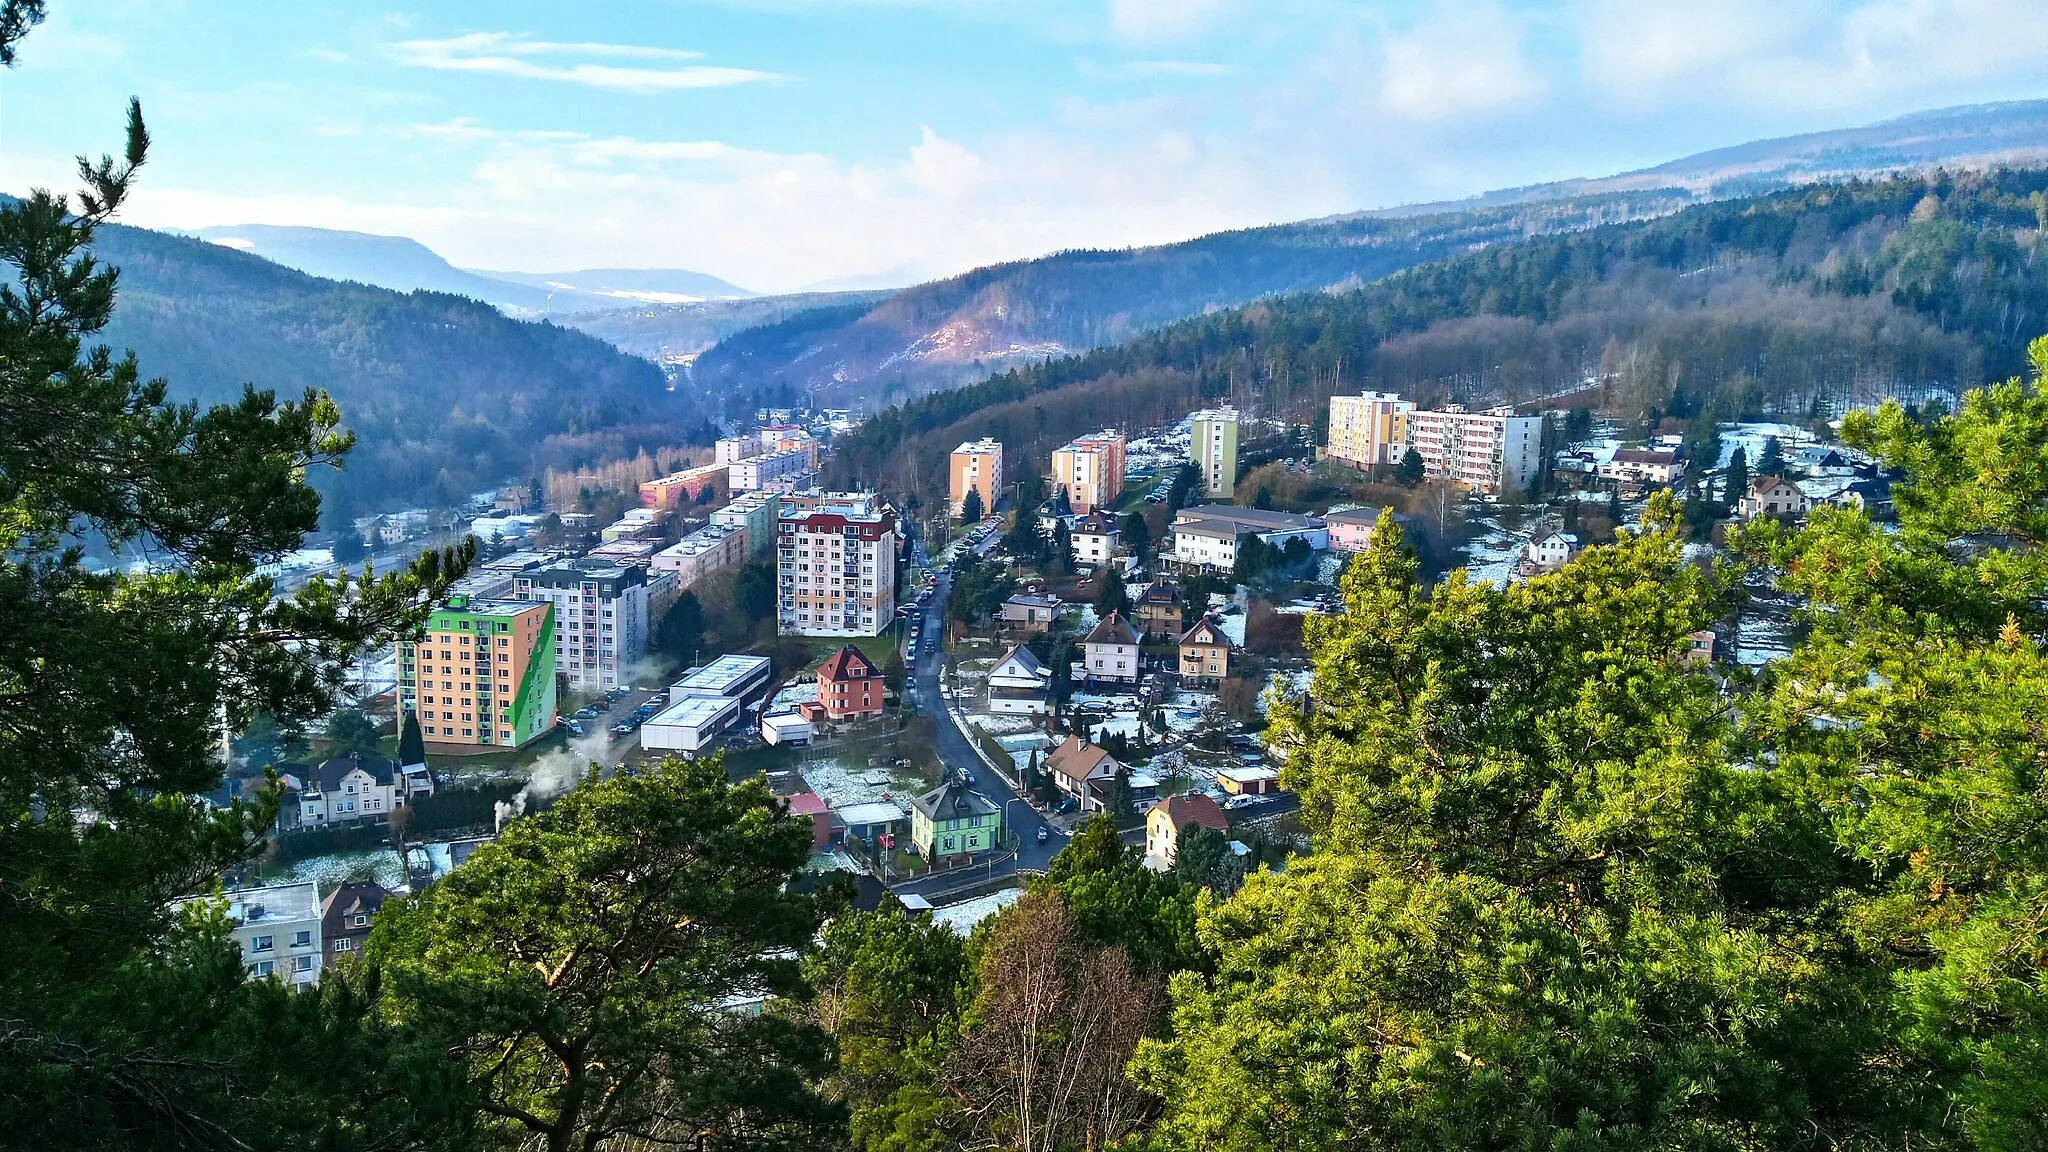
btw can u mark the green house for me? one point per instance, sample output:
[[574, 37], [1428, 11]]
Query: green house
[[950, 820]]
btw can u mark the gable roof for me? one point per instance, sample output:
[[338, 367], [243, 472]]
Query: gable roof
[[1367, 516], [1160, 593], [1191, 808], [1096, 523], [952, 801], [1025, 662], [365, 896], [1111, 629], [849, 663], [1764, 484], [1077, 761], [1205, 632], [327, 777], [1644, 456]]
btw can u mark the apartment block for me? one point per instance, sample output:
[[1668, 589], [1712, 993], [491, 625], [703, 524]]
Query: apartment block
[[1487, 451], [1212, 447], [601, 618], [277, 929], [756, 513], [836, 567], [734, 449], [781, 471], [1091, 469], [977, 466], [483, 675], [707, 550], [1369, 429], [681, 488]]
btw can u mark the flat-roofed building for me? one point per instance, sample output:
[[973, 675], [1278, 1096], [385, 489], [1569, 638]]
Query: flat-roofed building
[[836, 567], [737, 676], [755, 512], [1369, 429], [734, 449], [1487, 451], [482, 675], [684, 487], [1206, 535], [976, 466], [277, 928], [707, 550], [1212, 447], [783, 471], [601, 617], [1091, 469], [691, 725]]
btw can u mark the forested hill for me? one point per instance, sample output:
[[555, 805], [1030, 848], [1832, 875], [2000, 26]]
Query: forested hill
[[949, 332], [1827, 295], [445, 394]]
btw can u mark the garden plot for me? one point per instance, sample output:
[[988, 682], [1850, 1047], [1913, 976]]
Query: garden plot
[[962, 917], [842, 785]]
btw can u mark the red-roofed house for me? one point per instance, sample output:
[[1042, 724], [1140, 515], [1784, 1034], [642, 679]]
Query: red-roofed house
[[812, 805], [849, 685], [1164, 821]]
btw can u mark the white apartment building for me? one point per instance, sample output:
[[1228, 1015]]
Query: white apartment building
[[1487, 451], [836, 568], [1369, 429], [1207, 535], [1094, 539], [734, 449], [707, 550], [1091, 469], [1212, 446], [780, 471], [600, 618], [277, 929]]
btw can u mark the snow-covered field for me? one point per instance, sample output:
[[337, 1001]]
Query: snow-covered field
[[840, 785], [962, 917]]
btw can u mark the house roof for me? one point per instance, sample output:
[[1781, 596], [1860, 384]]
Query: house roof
[[1027, 663], [952, 801], [1111, 629], [365, 896], [1163, 593], [1366, 516], [1096, 523], [1191, 808], [1034, 600], [327, 777], [807, 804], [1644, 456], [1547, 533], [1205, 632], [849, 663], [1764, 484], [1246, 519], [1078, 761]]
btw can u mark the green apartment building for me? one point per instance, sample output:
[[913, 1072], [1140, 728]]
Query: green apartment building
[[951, 821], [1212, 446], [483, 675]]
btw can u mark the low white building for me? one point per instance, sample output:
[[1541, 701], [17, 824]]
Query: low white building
[[1642, 466], [786, 728], [1773, 496], [1019, 683], [277, 929], [1206, 536], [357, 787], [1549, 550], [690, 725], [735, 676]]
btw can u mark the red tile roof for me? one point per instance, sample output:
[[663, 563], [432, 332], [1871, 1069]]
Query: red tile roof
[[849, 663], [1192, 808]]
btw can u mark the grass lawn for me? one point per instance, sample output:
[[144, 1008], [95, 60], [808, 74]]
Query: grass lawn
[[1134, 496], [875, 648]]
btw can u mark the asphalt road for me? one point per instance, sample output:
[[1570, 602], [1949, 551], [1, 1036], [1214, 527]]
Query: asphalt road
[[957, 752]]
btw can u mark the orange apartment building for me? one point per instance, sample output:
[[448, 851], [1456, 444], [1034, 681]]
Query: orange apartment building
[[483, 676], [1091, 469], [977, 466]]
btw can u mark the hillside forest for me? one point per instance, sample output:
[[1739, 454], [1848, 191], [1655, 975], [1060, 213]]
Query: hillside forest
[[1800, 302]]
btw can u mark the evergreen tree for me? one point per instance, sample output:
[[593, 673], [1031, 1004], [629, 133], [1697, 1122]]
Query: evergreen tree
[[1111, 595], [1137, 538], [1735, 481], [348, 730], [1062, 548], [348, 547], [1263, 498], [1121, 809], [1202, 859], [680, 635], [412, 747], [971, 510], [581, 966], [1409, 472], [1185, 486], [1772, 462], [1614, 509], [129, 1025]]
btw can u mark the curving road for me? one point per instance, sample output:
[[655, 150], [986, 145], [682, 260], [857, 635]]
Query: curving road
[[956, 751]]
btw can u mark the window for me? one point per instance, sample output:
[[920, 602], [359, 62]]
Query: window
[[303, 964], [261, 943], [262, 968], [344, 945], [301, 939]]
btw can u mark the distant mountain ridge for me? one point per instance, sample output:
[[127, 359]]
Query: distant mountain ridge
[[950, 332], [406, 265]]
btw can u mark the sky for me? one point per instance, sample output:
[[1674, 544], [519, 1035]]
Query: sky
[[784, 144]]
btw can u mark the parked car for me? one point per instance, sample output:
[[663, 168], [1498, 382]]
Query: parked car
[[586, 714], [1067, 805], [1042, 833], [575, 727]]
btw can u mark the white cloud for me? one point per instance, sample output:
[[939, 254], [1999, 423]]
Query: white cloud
[[1775, 54], [1176, 69], [1148, 20], [1459, 61], [507, 54]]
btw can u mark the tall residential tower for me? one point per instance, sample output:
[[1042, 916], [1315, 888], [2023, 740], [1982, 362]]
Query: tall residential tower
[[1212, 446]]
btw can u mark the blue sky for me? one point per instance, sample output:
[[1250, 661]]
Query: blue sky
[[784, 143]]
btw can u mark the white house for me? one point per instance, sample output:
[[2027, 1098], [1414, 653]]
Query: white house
[[358, 787], [1643, 466], [1206, 536], [1019, 683], [1773, 496], [1548, 551], [1094, 539], [1076, 765], [277, 929], [1110, 651]]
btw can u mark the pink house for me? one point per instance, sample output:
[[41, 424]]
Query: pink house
[[1351, 529]]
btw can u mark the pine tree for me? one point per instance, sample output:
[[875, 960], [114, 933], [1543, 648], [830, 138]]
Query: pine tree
[[412, 746], [971, 510], [1735, 482], [1410, 470]]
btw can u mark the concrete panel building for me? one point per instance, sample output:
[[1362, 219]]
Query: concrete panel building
[[483, 675], [707, 550], [1369, 429], [1486, 451], [836, 567], [601, 618], [1212, 446], [754, 511], [1091, 469], [780, 471], [976, 466]]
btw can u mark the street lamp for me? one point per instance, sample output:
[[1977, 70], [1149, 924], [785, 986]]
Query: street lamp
[[1012, 828]]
